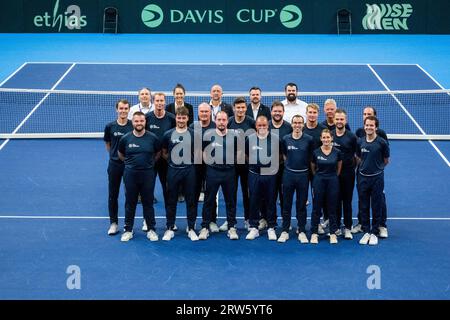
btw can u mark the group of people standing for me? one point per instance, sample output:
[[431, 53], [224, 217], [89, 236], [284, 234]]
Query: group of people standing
[[274, 152]]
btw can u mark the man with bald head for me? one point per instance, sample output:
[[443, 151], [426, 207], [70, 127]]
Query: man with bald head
[[144, 105], [217, 104]]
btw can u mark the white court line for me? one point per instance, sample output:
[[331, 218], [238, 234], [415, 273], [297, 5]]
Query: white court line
[[184, 217], [37, 106], [429, 76], [227, 63], [410, 116], [13, 74]]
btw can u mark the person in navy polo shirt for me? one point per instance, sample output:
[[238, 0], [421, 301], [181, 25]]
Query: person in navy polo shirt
[[373, 155], [178, 149], [241, 124], [371, 111], [262, 152], [139, 149], [220, 153], [296, 149], [158, 122], [326, 166], [345, 141], [113, 132]]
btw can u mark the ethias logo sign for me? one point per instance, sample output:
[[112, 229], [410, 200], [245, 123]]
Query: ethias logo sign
[[71, 18]]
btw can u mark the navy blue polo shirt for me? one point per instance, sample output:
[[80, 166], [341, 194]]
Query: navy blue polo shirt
[[285, 128], [159, 126], [113, 133], [220, 152], [315, 134], [139, 152], [298, 152], [380, 132], [183, 142], [372, 155], [260, 152], [326, 165], [332, 126], [347, 144]]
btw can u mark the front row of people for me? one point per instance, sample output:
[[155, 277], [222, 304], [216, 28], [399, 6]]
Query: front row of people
[[261, 152]]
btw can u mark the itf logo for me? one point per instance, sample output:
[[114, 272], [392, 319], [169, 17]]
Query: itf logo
[[152, 16], [291, 16], [387, 16]]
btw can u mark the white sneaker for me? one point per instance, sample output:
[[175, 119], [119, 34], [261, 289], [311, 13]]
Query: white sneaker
[[262, 224], [175, 228], [113, 229], [333, 239], [168, 235], [357, 229], [187, 228], [365, 239], [180, 198], [204, 234], [213, 227], [338, 232], [201, 197], [247, 225], [152, 235], [348, 234], [127, 235], [320, 229], [253, 233], [302, 237], [224, 226], [232, 234], [373, 240], [271, 234], [325, 224], [314, 238], [284, 236], [192, 235], [144, 226], [383, 232]]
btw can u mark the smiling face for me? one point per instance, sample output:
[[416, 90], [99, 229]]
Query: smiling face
[[160, 102], [340, 120], [277, 113], [262, 126], [291, 93], [240, 109], [216, 93], [145, 97], [178, 94], [255, 96], [370, 127], [297, 124], [326, 138], [138, 122], [122, 110]]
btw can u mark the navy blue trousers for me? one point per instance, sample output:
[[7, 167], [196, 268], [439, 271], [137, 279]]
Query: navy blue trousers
[[184, 178], [346, 186], [216, 178], [242, 175], [139, 182], [262, 192], [383, 222], [115, 175], [298, 183], [370, 193], [325, 192], [200, 175]]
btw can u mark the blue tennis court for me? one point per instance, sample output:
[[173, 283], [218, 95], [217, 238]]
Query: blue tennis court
[[54, 191]]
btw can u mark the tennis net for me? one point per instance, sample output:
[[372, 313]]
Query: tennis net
[[410, 114]]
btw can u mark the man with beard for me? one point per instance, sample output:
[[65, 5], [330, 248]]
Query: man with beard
[[284, 128], [178, 150], [292, 105], [201, 127], [144, 105], [139, 149], [262, 152], [346, 142], [255, 108], [220, 154]]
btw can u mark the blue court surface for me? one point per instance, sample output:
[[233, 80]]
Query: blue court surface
[[53, 209]]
